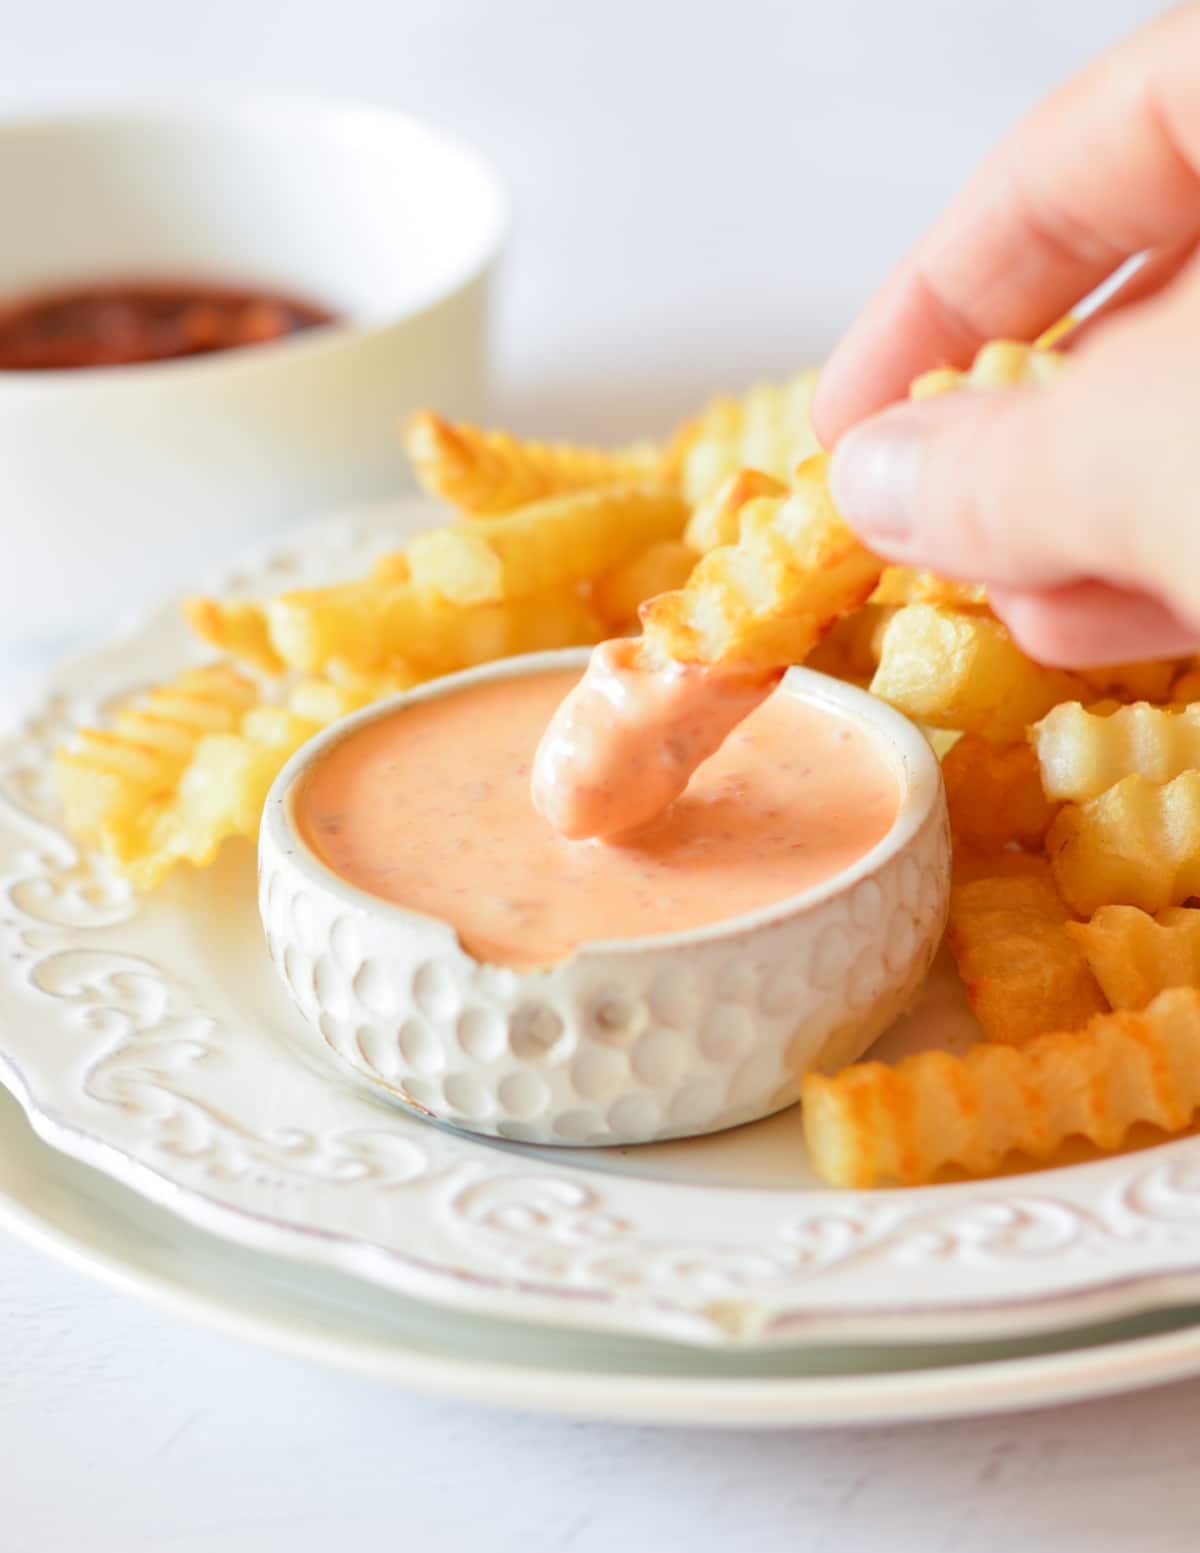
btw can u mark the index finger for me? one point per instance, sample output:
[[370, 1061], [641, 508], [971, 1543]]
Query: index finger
[[1107, 166]]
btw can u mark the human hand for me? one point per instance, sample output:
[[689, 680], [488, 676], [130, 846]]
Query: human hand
[[1078, 503]]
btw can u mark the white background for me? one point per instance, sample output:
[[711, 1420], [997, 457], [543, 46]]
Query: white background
[[704, 192]]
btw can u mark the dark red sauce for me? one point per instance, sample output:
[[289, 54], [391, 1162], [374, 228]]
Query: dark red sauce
[[114, 325]]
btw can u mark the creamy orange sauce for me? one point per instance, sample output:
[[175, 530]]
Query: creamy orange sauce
[[625, 742], [430, 808]]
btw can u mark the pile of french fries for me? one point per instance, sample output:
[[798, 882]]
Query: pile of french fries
[[550, 545], [1074, 799]]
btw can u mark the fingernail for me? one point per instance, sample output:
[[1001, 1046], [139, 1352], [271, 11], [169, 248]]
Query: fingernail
[[874, 478]]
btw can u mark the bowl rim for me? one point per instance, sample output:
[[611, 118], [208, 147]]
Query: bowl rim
[[244, 112], [901, 743]]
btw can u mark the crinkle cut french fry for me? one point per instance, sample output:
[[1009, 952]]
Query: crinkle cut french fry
[[769, 428], [872, 1123], [358, 623], [952, 670], [902, 585], [666, 565], [1136, 844], [1024, 972], [717, 520], [769, 599], [1134, 956], [108, 776], [236, 627], [217, 791], [1186, 688], [1146, 681], [493, 472], [561, 541], [994, 794], [850, 648], [1082, 754], [999, 364], [364, 628]]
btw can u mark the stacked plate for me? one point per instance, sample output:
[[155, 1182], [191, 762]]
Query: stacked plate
[[189, 1146]]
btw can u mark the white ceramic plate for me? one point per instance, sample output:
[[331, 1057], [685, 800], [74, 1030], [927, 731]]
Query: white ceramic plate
[[101, 1228], [150, 1039]]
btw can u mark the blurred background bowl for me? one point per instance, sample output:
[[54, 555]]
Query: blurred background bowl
[[118, 481]]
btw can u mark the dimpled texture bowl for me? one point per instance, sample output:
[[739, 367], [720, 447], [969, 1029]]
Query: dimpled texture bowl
[[625, 1041]]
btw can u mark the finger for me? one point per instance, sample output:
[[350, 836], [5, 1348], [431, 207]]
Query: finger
[[934, 484], [1106, 167], [1090, 477], [1089, 624]]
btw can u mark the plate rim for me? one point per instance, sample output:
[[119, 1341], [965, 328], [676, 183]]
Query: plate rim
[[988, 1387], [728, 1323]]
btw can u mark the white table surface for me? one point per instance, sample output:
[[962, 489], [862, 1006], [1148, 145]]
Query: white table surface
[[704, 191]]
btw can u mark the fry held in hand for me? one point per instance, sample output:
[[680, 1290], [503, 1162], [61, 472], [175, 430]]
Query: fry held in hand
[[870, 1123], [998, 364], [902, 585], [767, 600], [493, 472], [717, 520], [625, 741]]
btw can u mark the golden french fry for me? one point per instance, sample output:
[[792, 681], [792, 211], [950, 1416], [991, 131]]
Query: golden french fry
[[994, 794], [769, 429], [902, 585], [1136, 844], [1186, 688], [391, 568], [367, 629], [1147, 681], [1082, 753], [796, 568], [362, 624], [237, 628], [770, 598], [1024, 972], [219, 749], [717, 519], [493, 472], [999, 364], [850, 648], [1134, 956], [872, 1123], [558, 542], [951, 670], [107, 776], [659, 568]]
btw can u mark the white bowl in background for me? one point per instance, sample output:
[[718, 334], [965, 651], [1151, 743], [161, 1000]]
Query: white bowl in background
[[626, 1040], [118, 480]]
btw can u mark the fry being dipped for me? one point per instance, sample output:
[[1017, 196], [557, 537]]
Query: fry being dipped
[[625, 743]]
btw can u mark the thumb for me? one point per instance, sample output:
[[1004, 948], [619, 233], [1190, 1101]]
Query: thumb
[[1090, 477]]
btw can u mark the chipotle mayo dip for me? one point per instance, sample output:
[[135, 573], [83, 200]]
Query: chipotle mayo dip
[[429, 807]]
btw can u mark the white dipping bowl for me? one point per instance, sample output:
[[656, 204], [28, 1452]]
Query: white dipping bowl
[[121, 480], [625, 1040]]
